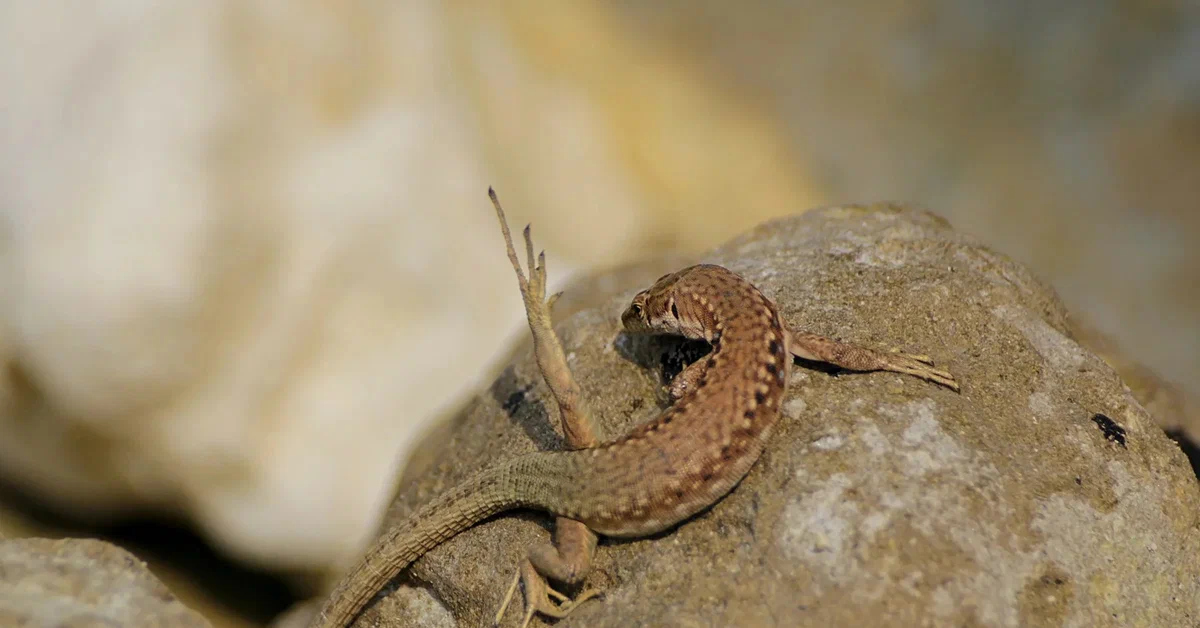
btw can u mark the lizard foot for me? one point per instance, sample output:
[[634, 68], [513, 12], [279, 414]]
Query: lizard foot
[[917, 366], [533, 288], [540, 597]]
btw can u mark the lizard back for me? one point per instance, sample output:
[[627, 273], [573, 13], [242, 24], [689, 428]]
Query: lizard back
[[679, 463]]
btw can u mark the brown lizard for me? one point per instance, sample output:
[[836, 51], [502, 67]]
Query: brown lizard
[[656, 476]]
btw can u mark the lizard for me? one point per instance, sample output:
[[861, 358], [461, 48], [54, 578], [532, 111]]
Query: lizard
[[661, 473]]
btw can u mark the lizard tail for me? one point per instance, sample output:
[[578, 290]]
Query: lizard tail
[[490, 492]]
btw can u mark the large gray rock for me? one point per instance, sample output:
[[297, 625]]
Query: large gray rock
[[83, 583], [1043, 495]]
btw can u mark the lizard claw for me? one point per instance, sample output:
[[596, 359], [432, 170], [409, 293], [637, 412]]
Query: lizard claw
[[923, 359], [533, 288], [922, 367], [539, 597], [529, 249]]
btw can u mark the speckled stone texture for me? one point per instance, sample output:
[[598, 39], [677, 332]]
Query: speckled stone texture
[[83, 583], [882, 500]]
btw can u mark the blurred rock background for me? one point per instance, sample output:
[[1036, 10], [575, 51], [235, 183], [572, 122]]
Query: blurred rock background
[[246, 256]]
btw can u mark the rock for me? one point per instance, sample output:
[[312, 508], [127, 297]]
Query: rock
[[269, 350], [83, 583], [1043, 495]]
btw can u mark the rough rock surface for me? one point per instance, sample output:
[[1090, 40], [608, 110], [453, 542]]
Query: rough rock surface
[[83, 583], [269, 350], [1043, 495]]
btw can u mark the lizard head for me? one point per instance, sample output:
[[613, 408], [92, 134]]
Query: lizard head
[[668, 307]]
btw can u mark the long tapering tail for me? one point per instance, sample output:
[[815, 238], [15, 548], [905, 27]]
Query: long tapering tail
[[476, 499]]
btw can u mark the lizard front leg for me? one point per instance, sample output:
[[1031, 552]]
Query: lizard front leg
[[569, 558], [687, 380], [844, 355], [852, 357]]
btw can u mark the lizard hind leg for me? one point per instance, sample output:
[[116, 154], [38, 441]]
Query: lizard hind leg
[[567, 561], [574, 542]]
